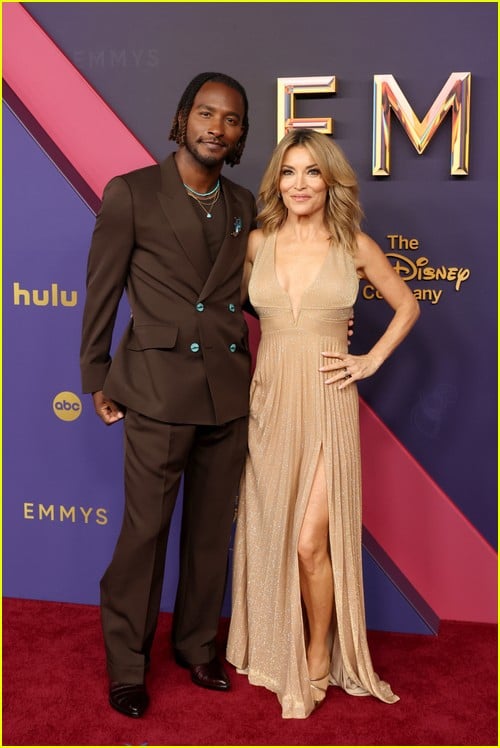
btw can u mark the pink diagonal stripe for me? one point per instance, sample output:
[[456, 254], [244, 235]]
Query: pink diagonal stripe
[[435, 546], [438, 550], [70, 111]]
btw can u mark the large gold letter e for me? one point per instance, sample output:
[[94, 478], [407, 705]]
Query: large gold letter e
[[288, 89]]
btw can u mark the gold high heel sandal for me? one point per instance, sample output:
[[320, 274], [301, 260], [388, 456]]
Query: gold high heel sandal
[[318, 689]]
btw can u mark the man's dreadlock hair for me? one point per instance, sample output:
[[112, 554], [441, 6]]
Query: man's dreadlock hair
[[179, 123]]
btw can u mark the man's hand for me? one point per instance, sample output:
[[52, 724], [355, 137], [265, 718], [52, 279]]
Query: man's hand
[[107, 410]]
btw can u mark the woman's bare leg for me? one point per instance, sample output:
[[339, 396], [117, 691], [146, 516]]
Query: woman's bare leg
[[316, 578]]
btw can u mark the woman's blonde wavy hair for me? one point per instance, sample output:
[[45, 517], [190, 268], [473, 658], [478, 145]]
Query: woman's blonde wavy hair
[[343, 212]]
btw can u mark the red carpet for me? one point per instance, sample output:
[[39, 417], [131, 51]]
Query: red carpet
[[55, 691]]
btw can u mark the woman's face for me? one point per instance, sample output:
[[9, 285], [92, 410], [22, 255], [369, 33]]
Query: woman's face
[[301, 185]]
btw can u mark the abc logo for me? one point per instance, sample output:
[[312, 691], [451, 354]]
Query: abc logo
[[67, 406]]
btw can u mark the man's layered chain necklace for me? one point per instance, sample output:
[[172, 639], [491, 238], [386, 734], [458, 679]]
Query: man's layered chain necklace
[[206, 200]]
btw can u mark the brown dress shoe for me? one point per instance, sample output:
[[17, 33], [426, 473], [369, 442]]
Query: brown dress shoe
[[129, 698], [207, 675]]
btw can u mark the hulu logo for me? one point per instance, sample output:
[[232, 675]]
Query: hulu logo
[[52, 296]]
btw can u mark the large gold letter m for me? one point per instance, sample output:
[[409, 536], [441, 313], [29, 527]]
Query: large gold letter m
[[454, 95]]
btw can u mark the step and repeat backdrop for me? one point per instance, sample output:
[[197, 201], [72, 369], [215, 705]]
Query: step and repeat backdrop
[[409, 92]]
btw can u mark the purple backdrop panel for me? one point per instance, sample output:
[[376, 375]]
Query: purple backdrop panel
[[54, 508]]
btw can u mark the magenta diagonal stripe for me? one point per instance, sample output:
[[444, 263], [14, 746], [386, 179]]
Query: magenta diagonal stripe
[[71, 112], [436, 547]]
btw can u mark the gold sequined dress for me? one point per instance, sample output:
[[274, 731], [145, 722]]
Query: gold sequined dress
[[293, 416]]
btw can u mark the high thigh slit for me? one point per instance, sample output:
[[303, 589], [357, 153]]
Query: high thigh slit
[[293, 416], [316, 575]]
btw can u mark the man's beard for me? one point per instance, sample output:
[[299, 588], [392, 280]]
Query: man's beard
[[207, 160]]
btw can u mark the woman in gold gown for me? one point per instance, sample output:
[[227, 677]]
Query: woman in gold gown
[[298, 620]]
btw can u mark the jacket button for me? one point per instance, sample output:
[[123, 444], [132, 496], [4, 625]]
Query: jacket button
[[195, 347], [232, 308], [232, 347], [200, 307]]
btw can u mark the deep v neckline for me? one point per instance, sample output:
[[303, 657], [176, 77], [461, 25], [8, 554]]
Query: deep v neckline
[[296, 316]]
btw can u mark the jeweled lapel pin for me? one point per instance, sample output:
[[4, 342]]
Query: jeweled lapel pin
[[237, 226]]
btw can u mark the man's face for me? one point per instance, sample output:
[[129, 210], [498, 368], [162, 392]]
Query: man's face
[[214, 125]]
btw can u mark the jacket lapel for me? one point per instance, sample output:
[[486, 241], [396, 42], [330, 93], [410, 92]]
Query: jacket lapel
[[188, 231]]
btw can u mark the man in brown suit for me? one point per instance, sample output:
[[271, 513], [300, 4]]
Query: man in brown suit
[[173, 236]]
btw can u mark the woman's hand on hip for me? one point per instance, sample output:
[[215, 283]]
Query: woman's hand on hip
[[347, 369]]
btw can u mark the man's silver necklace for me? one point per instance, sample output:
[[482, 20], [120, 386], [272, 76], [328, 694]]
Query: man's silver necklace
[[206, 200]]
